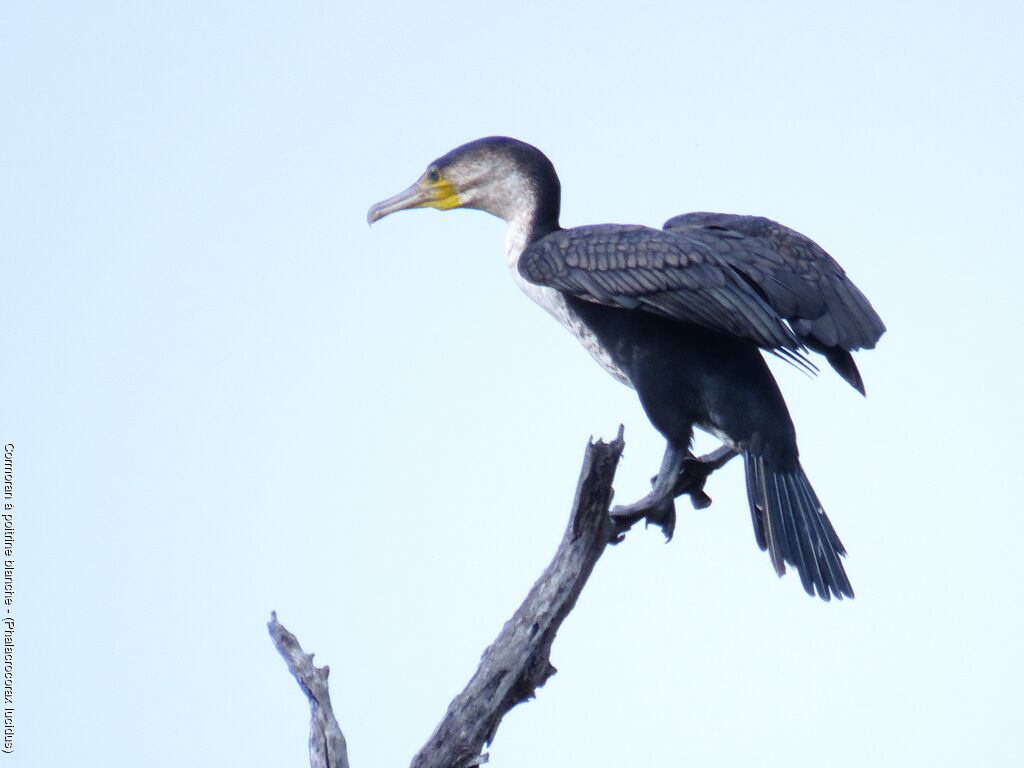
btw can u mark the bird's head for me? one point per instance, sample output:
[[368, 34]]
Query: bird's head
[[504, 177]]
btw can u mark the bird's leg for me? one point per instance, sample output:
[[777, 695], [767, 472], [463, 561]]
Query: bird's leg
[[695, 472], [683, 473], [658, 506]]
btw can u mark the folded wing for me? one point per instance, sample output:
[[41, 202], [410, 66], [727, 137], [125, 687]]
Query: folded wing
[[661, 272], [796, 277]]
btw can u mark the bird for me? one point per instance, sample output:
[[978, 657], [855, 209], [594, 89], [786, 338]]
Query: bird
[[682, 315]]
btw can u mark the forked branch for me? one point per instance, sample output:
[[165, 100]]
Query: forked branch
[[518, 661]]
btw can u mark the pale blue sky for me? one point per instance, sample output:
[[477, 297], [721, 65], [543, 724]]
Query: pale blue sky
[[228, 395]]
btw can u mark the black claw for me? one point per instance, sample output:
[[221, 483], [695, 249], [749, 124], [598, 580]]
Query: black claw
[[668, 526]]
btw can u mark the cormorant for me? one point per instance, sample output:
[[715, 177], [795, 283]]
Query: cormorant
[[681, 315]]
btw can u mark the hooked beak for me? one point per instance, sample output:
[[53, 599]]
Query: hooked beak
[[425, 193]]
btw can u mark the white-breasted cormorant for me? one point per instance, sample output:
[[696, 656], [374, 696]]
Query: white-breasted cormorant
[[681, 315]]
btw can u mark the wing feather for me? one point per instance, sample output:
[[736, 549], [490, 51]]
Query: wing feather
[[745, 276], [662, 272], [796, 278], [793, 273]]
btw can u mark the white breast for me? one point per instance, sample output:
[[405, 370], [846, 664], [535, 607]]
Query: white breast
[[554, 302]]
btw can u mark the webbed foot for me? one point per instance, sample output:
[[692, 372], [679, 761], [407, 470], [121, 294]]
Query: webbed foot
[[696, 471], [659, 511], [659, 505], [683, 473]]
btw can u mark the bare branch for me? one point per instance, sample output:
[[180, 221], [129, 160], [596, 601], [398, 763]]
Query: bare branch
[[518, 661], [327, 748]]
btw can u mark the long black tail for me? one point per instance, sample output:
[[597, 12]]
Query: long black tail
[[790, 523]]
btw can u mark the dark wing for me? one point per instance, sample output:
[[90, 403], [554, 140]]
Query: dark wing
[[660, 272], [797, 278]]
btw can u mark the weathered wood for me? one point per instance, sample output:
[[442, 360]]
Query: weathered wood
[[327, 748], [518, 661]]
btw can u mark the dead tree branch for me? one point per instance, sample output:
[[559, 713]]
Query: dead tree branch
[[327, 748], [518, 661]]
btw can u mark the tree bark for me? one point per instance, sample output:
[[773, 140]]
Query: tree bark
[[518, 661], [327, 748]]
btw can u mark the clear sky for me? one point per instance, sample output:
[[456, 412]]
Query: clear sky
[[228, 395]]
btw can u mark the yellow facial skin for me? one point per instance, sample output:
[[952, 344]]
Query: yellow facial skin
[[432, 190], [444, 195]]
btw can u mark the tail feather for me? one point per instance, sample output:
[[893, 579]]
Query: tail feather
[[791, 525], [801, 549], [831, 547]]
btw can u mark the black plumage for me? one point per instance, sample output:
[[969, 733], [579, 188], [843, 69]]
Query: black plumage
[[800, 281], [661, 272], [681, 315]]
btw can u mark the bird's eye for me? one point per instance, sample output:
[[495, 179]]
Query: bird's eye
[[433, 175]]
